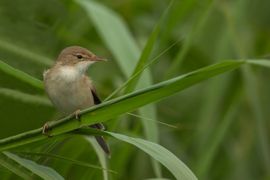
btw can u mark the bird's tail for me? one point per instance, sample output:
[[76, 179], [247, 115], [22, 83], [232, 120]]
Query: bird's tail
[[101, 141]]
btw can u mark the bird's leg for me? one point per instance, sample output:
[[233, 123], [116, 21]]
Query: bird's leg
[[77, 114], [45, 129]]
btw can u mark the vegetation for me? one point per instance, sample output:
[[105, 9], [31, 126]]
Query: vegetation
[[185, 89]]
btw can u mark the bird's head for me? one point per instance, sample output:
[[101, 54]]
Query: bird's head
[[77, 57]]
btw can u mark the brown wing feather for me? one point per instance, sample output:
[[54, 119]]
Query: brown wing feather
[[95, 96]]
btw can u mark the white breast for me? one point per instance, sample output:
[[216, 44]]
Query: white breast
[[67, 91], [68, 74]]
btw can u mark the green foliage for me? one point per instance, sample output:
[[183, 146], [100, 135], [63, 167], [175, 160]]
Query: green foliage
[[169, 160], [123, 46], [20, 75], [222, 129], [39, 170]]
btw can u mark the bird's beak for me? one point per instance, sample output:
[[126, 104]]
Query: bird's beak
[[96, 58]]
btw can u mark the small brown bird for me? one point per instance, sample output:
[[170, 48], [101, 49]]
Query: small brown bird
[[69, 88]]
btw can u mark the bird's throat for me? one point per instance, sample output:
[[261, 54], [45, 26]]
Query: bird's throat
[[69, 73]]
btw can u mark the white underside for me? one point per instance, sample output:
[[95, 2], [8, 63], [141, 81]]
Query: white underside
[[66, 90]]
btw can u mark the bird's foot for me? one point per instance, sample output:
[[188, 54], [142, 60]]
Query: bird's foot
[[45, 129], [77, 114]]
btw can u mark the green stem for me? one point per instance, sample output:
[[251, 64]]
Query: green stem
[[123, 104]]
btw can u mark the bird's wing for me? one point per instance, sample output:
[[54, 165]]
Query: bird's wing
[[95, 96], [96, 101]]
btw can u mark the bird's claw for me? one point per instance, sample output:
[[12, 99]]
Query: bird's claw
[[45, 129], [77, 114]]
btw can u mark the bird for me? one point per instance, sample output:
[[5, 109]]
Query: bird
[[70, 89]]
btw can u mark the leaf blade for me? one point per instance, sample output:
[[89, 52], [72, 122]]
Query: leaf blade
[[24, 97], [143, 59], [40, 170], [14, 168], [122, 104], [20, 75], [161, 154], [260, 62], [117, 37]]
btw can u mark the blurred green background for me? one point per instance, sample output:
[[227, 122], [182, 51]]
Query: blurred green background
[[223, 123]]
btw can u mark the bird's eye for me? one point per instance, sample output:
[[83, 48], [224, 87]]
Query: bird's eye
[[79, 56]]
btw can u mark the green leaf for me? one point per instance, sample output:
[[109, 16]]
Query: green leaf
[[261, 119], [122, 45], [252, 90], [15, 168], [156, 151], [24, 97], [40, 170], [139, 71], [101, 156], [114, 33], [143, 59], [206, 157], [205, 11], [68, 160], [159, 153], [119, 40], [156, 92], [20, 75], [131, 83], [260, 62], [126, 103], [25, 53]]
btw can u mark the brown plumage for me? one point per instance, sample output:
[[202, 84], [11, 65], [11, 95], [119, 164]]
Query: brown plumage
[[68, 86]]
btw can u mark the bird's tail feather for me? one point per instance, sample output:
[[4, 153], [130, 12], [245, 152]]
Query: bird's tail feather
[[101, 141]]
